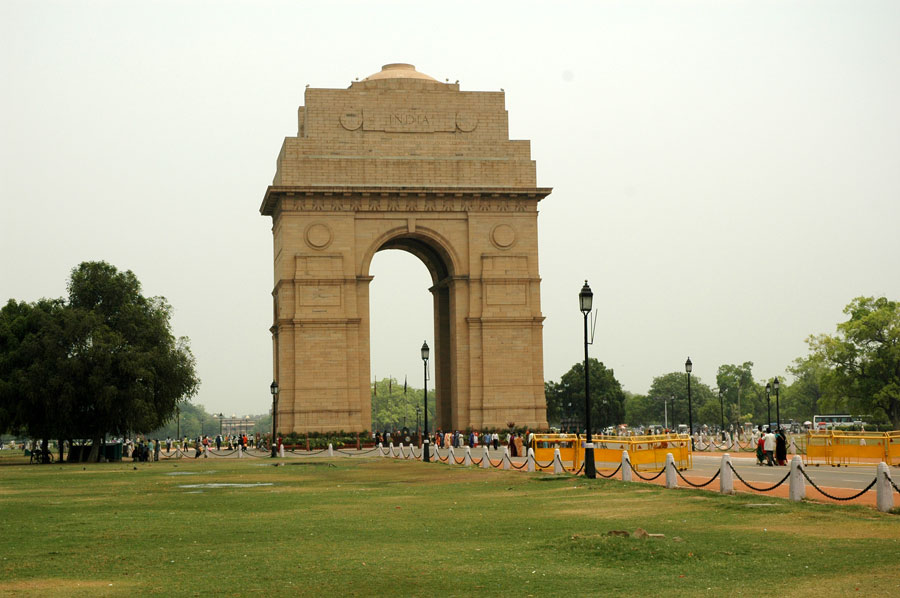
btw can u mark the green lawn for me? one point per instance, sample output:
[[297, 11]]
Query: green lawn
[[380, 527]]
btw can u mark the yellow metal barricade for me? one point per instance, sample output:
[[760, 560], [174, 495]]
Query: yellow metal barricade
[[836, 447], [647, 453]]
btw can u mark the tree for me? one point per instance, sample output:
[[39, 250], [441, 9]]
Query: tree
[[102, 362], [607, 397], [394, 407], [674, 384], [864, 357], [735, 381]]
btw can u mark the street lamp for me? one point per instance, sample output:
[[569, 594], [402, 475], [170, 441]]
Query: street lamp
[[425, 352], [688, 366], [768, 405], [585, 303], [220, 416], [777, 385], [273, 388], [674, 419]]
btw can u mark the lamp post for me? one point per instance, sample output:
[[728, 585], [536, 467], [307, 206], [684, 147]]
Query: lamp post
[[776, 384], [425, 352], [220, 416], [688, 366], [178, 416], [768, 405], [585, 303], [273, 388], [666, 414]]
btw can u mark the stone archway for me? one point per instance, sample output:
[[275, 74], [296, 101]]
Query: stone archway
[[401, 161]]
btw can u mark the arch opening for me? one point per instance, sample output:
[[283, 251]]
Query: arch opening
[[409, 320]]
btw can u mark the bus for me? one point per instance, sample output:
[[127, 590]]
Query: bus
[[824, 422]]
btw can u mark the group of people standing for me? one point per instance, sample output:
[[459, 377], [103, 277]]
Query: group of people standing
[[771, 448]]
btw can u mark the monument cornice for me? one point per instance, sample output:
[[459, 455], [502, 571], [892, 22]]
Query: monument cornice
[[363, 198]]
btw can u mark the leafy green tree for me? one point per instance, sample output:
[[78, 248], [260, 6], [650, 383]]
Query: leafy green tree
[[102, 362], [864, 357], [736, 383], [642, 410], [607, 397], [394, 407], [674, 384]]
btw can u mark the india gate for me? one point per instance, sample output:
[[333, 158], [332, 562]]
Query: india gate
[[400, 160]]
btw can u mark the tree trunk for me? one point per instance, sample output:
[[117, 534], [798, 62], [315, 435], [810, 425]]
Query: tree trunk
[[95, 450], [60, 441]]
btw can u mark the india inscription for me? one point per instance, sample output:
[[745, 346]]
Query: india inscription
[[454, 191]]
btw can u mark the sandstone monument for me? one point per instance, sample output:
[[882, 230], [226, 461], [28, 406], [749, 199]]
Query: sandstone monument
[[401, 161]]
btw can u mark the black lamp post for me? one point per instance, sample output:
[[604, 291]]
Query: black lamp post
[[425, 353], [586, 302], [776, 384], [273, 388], [768, 405], [688, 366], [220, 416]]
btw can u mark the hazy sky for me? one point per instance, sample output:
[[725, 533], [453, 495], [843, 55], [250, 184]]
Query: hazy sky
[[726, 174]]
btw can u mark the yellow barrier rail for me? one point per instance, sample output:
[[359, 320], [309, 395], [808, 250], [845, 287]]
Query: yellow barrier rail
[[836, 448], [645, 452]]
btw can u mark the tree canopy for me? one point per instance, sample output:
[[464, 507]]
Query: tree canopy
[[565, 399], [864, 357], [102, 361]]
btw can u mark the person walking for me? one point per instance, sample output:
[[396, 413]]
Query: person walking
[[781, 447], [769, 443]]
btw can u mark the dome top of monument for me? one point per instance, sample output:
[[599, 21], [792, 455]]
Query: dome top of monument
[[398, 70]]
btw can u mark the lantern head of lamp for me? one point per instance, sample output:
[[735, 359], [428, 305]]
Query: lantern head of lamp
[[768, 388], [688, 366], [273, 388], [585, 299], [776, 384], [425, 351]]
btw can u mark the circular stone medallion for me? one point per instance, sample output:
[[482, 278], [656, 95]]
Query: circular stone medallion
[[351, 120], [466, 121], [503, 236], [318, 236]]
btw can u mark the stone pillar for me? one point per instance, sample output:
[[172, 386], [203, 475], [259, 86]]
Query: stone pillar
[[626, 467], [557, 462], [726, 476], [671, 476], [331, 450], [530, 459], [468, 458], [506, 458], [884, 490], [797, 490], [486, 459]]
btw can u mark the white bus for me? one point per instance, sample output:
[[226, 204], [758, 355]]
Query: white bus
[[824, 422]]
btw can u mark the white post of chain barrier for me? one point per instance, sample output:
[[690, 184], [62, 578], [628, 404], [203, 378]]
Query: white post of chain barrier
[[726, 476], [793, 449], [486, 459], [626, 467], [530, 459], [671, 479], [451, 458], [281, 451], [505, 457], [884, 491], [330, 450], [240, 452], [797, 490], [468, 460], [557, 462], [381, 450]]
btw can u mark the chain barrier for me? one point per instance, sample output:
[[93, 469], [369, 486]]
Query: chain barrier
[[522, 466], [459, 461], [219, 453], [703, 485], [888, 477], [610, 475], [249, 454], [309, 454], [498, 465], [477, 462], [541, 465], [840, 498], [747, 484], [580, 469], [650, 479]]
